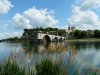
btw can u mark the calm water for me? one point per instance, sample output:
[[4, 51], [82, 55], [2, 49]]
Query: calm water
[[79, 54]]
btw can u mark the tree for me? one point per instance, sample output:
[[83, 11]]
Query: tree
[[80, 34], [61, 32], [97, 33], [83, 34], [77, 33]]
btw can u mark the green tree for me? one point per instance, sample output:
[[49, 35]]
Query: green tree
[[80, 34], [77, 33], [61, 32], [83, 34], [97, 33]]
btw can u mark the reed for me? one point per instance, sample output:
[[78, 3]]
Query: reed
[[46, 67], [11, 69]]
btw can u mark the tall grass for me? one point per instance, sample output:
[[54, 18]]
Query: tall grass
[[11, 69], [46, 67]]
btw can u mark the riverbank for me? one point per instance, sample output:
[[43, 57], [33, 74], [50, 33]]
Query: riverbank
[[84, 40], [69, 40]]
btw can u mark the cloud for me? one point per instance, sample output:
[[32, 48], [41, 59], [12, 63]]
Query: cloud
[[35, 18], [88, 58], [83, 16], [5, 6], [10, 35], [89, 4]]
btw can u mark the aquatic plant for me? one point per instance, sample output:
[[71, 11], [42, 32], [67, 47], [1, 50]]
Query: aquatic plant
[[11, 69], [46, 67]]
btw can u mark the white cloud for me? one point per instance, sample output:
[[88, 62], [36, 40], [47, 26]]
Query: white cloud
[[5, 6], [89, 4], [82, 15], [21, 22], [9, 35], [35, 18]]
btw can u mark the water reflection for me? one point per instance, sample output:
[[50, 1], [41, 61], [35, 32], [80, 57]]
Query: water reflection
[[79, 54], [44, 47]]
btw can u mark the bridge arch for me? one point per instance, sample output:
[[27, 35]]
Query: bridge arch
[[61, 39], [55, 39], [46, 38]]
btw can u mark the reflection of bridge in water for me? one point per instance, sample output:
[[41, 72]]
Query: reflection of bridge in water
[[45, 47], [35, 52]]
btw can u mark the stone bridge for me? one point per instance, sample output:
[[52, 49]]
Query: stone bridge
[[45, 37]]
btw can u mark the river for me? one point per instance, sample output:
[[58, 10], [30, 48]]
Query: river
[[80, 54]]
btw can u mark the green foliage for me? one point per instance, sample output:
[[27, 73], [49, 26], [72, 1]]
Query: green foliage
[[52, 31], [46, 67], [97, 33], [77, 33], [14, 39], [61, 32], [80, 34], [11, 69], [83, 34]]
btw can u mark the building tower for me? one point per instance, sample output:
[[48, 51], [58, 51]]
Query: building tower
[[69, 27]]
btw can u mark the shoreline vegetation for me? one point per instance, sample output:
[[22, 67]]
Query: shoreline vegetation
[[46, 67], [76, 35]]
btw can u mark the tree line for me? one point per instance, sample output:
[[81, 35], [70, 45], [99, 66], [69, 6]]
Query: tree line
[[79, 34], [53, 31]]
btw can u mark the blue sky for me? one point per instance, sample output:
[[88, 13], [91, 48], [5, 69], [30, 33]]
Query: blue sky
[[62, 8], [16, 15]]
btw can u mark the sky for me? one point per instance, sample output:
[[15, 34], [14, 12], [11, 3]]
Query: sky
[[16, 15]]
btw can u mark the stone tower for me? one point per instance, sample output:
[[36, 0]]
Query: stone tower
[[69, 27]]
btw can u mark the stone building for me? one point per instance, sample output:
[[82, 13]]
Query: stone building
[[69, 30]]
